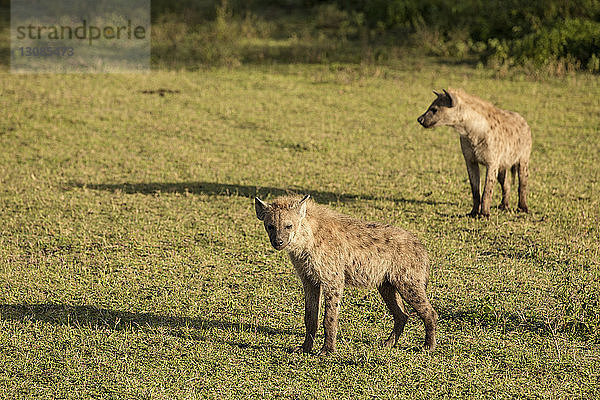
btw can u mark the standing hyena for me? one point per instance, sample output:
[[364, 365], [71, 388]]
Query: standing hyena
[[331, 250], [496, 138]]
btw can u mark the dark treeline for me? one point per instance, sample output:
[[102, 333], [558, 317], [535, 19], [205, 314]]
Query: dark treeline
[[553, 34], [512, 32]]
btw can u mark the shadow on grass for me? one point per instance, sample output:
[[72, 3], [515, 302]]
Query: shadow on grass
[[99, 318], [489, 318], [224, 189], [183, 327], [4, 55], [536, 254], [467, 61]]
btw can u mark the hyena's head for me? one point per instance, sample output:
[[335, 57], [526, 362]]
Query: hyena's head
[[282, 218], [441, 112]]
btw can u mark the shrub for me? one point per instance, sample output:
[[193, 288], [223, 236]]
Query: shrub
[[508, 32], [572, 39]]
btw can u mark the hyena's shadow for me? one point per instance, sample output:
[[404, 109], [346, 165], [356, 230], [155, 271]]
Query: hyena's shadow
[[104, 319], [91, 317], [490, 318], [225, 189]]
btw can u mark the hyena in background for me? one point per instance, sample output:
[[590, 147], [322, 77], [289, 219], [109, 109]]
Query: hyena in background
[[331, 250], [496, 138]]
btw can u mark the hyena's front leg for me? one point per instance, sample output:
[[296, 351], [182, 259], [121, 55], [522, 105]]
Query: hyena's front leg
[[333, 299], [473, 171], [488, 190], [312, 304]]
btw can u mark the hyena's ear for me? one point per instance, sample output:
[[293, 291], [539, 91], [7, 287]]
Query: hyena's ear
[[436, 93], [261, 208], [302, 205], [451, 99]]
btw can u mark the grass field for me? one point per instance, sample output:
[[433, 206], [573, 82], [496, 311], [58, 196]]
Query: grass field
[[132, 265]]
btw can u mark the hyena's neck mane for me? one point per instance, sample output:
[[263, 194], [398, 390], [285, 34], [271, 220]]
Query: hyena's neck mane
[[319, 221], [474, 115]]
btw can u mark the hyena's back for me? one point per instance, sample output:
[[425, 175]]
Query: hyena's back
[[504, 137], [369, 252]]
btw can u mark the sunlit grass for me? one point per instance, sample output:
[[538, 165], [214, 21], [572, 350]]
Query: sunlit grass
[[132, 266]]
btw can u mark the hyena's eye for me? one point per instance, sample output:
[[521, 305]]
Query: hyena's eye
[[434, 110], [288, 226], [270, 227]]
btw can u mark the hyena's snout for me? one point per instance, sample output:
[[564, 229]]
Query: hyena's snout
[[279, 242], [425, 121]]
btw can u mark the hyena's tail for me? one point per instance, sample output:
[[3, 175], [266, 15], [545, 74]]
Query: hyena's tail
[[513, 172]]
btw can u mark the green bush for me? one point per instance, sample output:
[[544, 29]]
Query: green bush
[[575, 39], [512, 32]]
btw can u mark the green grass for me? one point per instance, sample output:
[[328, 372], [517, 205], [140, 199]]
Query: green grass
[[132, 265]]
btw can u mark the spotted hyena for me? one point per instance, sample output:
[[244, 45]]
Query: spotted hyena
[[331, 250], [496, 138]]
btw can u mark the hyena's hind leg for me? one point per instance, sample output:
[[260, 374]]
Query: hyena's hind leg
[[523, 178], [414, 294], [504, 182], [395, 305]]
